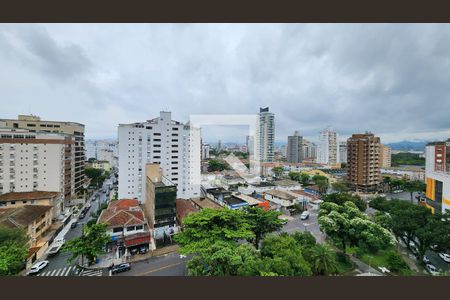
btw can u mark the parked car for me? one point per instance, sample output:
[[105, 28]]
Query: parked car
[[445, 257], [73, 225], [426, 260], [284, 221], [304, 215], [134, 251], [37, 267], [54, 250], [81, 216], [431, 269], [143, 249], [121, 268]]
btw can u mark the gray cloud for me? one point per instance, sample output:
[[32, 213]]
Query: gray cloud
[[392, 79]]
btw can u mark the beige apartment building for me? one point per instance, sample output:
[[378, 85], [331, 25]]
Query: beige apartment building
[[35, 124], [37, 161], [363, 161], [385, 156]]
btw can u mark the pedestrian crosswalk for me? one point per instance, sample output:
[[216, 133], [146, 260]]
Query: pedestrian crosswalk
[[71, 271], [66, 271]]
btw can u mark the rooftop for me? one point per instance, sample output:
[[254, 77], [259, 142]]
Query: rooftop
[[22, 216], [282, 194], [286, 182], [36, 195], [184, 208], [250, 200], [123, 212], [202, 203]]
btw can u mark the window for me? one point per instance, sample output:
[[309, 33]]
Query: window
[[157, 140], [13, 202], [157, 133], [130, 228], [139, 227], [117, 229]]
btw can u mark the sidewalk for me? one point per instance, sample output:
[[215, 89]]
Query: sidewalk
[[363, 267], [157, 252]]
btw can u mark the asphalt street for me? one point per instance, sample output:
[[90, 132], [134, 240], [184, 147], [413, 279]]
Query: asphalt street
[[59, 261], [166, 265], [311, 224]]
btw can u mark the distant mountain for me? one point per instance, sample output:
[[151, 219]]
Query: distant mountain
[[417, 145]]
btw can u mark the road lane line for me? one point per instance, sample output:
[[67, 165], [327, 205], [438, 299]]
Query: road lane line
[[161, 268]]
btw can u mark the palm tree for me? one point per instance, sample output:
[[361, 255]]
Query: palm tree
[[387, 181], [323, 260]]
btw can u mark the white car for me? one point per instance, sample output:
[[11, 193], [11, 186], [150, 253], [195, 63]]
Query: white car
[[431, 269], [37, 267], [426, 260], [304, 215], [445, 257]]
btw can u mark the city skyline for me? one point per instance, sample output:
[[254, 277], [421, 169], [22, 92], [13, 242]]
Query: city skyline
[[381, 77]]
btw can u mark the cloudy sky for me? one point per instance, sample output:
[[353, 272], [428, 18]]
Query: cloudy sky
[[392, 79]]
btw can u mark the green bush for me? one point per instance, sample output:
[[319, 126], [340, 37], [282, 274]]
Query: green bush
[[395, 262]]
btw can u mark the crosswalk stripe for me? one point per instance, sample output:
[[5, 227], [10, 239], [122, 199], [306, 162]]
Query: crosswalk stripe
[[68, 270], [57, 272], [51, 274]]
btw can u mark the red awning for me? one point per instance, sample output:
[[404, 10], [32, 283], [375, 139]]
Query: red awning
[[137, 241]]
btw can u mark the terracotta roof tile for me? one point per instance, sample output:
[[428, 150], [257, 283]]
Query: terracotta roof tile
[[36, 195]]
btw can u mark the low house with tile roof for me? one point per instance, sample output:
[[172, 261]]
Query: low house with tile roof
[[127, 224], [36, 220], [17, 199]]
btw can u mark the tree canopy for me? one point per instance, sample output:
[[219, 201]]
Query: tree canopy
[[13, 250], [341, 198], [89, 245], [347, 225]]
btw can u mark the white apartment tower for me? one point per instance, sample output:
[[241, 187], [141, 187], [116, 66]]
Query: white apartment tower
[[265, 135], [327, 148], [173, 145]]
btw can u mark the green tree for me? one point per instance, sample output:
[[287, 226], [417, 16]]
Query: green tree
[[13, 250], [340, 186], [321, 182], [323, 260], [387, 182], [277, 171], [262, 222], [207, 226], [414, 186], [217, 165], [341, 198], [89, 245], [225, 259], [282, 255], [348, 226]]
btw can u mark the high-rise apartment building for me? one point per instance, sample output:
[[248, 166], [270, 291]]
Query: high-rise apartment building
[[205, 151], [294, 151], [363, 158], [37, 161], [343, 152], [309, 150], [437, 173], [385, 156], [35, 124], [327, 148], [265, 136], [171, 144]]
